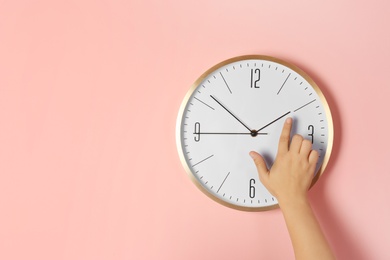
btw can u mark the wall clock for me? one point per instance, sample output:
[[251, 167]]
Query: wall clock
[[240, 105]]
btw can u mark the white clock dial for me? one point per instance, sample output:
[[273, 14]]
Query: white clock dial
[[238, 106]]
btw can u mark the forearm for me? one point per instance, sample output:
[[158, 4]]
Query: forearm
[[289, 180], [306, 235]]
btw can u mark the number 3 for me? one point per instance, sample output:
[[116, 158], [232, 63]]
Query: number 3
[[312, 132]]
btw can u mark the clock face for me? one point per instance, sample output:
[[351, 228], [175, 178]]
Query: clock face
[[239, 106]]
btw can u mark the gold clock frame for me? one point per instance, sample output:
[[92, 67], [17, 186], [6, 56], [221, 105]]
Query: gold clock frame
[[252, 57]]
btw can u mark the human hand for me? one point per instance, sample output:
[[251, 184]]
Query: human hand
[[291, 175]]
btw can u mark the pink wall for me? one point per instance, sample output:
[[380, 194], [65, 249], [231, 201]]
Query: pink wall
[[89, 93]]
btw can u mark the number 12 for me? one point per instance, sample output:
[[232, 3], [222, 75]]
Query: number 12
[[253, 80]]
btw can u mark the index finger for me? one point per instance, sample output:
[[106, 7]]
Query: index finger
[[285, 136]]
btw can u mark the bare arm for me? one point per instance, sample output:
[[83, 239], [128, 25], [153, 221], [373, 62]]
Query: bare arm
[[289, 180]]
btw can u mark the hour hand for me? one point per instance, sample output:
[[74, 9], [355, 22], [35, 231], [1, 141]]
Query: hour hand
[[274, 121], [224, 107]]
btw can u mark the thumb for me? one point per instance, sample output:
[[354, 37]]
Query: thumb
[[260, 164]]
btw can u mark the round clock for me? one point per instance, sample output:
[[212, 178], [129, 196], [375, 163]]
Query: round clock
[[240, 105]]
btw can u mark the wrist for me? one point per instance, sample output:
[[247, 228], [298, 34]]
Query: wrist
[[293, 202]]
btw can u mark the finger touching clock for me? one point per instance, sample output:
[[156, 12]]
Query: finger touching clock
[[296, 143], [305, 148], [284, 139], [313, 158]]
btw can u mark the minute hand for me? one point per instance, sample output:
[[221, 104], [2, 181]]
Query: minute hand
[[231, 113], [274, 121], [229, 133]]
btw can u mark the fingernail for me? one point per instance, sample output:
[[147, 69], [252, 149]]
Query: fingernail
[[289, 120], [252, 154]]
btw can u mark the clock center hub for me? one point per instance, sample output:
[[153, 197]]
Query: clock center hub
[[253, 133]]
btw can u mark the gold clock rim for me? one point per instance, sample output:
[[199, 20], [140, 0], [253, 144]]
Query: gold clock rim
[[252, 57]]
